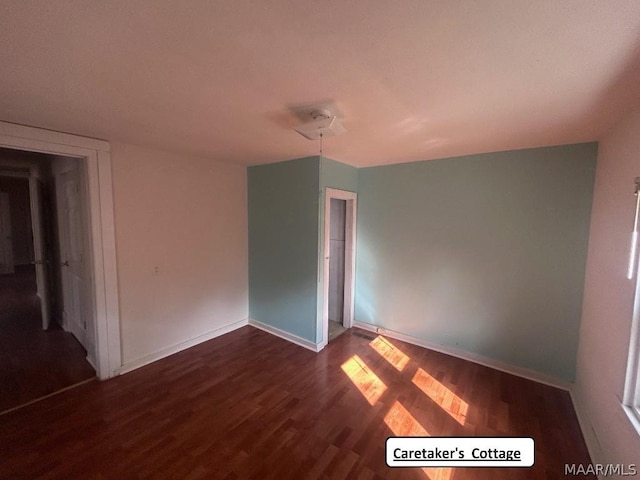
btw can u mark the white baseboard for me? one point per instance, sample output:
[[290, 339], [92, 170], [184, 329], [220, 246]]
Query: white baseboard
[[91, 360], [588, 432], [286, 335], [77, 331], [80, 333], [472, 357], [165, 352]]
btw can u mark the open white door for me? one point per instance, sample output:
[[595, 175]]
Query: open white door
[[41, 260], [6, 245], [72, 256]]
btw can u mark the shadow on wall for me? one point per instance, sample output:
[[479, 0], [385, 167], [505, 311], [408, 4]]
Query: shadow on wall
[[365, 306], [620, 95]]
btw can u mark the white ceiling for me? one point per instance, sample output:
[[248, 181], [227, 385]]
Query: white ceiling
[[414, 79]]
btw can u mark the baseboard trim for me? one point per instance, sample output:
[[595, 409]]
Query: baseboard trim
[[165, 352], [49, 395], [286, 335], [472, 357], [90, 359], [77, 331], [588, 431]]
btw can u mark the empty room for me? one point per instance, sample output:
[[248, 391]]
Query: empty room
[[343, 240]]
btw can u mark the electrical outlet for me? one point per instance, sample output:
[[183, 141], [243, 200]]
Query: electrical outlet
[[156, 270]]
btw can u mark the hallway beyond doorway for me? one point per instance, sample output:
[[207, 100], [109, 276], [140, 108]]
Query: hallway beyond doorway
[[33, 362]]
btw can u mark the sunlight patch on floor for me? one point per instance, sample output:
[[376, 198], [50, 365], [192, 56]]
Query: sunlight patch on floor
[[403, 424], [445, 398], [390, 352], [370, 386]]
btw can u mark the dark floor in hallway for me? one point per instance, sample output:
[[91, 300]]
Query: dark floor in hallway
[[33, 362]]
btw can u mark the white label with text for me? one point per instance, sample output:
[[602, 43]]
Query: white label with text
[[460, 452]]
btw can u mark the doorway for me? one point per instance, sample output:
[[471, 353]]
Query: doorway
[[337, 219], [40, 353], [95, 157], [339, 262]]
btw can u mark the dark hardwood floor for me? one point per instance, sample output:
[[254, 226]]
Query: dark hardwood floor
[[249, 405], [33, 362]]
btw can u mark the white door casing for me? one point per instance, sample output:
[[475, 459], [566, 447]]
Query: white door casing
[[6, 245], [96, 158], [349, 258]]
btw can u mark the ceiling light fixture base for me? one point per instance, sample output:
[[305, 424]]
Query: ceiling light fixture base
[[323, 124]]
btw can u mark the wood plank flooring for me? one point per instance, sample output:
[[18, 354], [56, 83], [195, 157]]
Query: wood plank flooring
[[249, 405], [33, 362]]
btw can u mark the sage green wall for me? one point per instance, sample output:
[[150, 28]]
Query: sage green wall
[[484, 253], [333, 174], [283, 245]]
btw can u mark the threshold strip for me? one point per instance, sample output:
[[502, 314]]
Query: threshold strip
[[47, 396]]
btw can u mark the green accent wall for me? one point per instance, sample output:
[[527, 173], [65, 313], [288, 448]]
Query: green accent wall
[[283, 245], [334, 174], [484, 253]]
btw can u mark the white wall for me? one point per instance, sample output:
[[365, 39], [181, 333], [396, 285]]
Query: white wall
[[188, 217], [608, 301]]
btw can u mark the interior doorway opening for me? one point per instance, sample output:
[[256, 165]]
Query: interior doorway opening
[[339, 262], [43, 350], [95, 156], [337, 230]]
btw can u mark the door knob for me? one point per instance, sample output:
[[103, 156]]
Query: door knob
[[65, 264]]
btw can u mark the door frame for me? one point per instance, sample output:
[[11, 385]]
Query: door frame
[[351, 199], [97, 157]]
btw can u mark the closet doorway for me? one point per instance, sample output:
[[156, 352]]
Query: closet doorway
[[339, 262]]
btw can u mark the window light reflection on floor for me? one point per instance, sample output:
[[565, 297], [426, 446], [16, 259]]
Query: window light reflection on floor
[[390, 352], [370, 386], [403, 424], [445, 398], [398, 419]]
